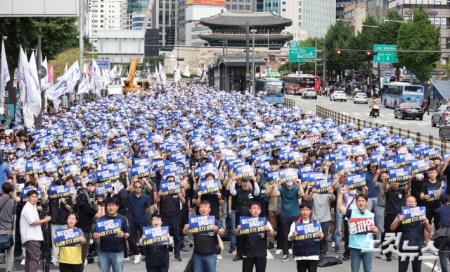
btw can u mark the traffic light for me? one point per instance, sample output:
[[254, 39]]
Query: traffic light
[[339, 53], [370, 53]]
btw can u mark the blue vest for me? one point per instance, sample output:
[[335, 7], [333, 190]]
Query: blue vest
[[364, 240]]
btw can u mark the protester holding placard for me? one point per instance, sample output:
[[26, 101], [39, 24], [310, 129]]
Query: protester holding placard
[[274, 206], [70, 241], [209, 190], [431, 192], [206, 244], [112, 229], [442, 235], [361, 228], [169, 206], [254, 231], [290, 193], [243, 196], [414, 227], [157, 253], [306, 234]]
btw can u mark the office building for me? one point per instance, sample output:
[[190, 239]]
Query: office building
[[105, 15], [340, 5], [244, 6], [356, 13], [438, 13], [316, 17], [196, 10], [377, 9]]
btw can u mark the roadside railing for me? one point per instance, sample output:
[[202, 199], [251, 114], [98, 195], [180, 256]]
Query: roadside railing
[[417, 136], [289, 102]]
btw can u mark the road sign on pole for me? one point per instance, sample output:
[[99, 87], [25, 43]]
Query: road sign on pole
[[301, 54], [386, 53]]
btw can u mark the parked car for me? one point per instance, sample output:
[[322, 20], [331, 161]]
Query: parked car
[[309, 93], [338, 96], [441, 117], [408, 110], [360, 98]]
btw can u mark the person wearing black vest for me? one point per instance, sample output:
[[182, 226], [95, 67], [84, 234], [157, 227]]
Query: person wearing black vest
[[255, 244], [206, 244], [430, 194], [244, 196], [306, 252], [414, 233], [156, 256], [170, 210]]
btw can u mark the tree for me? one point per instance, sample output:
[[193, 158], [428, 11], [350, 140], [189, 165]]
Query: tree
[[67, 57], [58, 34], [419, 35], [388, 31], [337, 37]]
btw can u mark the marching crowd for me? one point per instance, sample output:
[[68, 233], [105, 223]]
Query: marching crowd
[[142, 175]]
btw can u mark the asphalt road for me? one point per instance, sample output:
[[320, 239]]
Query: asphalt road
[[274, 264], [362, 111]]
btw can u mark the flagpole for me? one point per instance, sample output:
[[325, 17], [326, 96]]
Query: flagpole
[[39, 68], [81, 41]]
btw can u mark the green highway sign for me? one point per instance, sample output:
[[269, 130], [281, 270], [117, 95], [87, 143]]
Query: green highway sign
[[299, 54], [386, 53]]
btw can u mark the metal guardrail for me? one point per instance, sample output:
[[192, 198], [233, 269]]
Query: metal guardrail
[[289, 102], [417, 136]]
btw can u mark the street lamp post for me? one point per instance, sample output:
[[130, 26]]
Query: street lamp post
[[253, 62]]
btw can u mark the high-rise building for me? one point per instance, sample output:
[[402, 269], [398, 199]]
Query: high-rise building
[[316, 17], [196, 10], [377, 9], [137, 6], [241, 5], [274, 5], [292, 10], [438, 14], [105, 15], [340, 5], [356, 13], [259, 5]]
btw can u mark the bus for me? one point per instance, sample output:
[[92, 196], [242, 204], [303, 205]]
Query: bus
[[396, 93], [271, 90], [295, 83]]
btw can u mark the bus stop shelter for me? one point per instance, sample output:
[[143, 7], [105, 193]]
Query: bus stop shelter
[[227, 73]]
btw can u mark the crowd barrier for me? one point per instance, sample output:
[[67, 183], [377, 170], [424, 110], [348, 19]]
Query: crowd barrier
[[289, 102], [417, 136]]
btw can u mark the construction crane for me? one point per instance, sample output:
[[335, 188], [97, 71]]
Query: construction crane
[[129, 84]]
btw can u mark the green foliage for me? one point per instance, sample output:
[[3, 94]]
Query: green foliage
[[338, 36], [419, 35], [388, 31], [67, 57], [58, 34]]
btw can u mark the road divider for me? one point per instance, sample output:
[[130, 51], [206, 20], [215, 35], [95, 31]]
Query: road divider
[[417, 136]]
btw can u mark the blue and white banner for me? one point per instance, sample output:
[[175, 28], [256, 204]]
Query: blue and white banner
[[420, 166], [288, 174], [25, 190], [401, 175], [198, 223], [209, 186], [156, 236], [170, 188], [102, 190], [355, 181], [307, 231], [58, 191], [252, 224], [68, 237], [108, 227], [413, 214], [345, 166], [323, 185]]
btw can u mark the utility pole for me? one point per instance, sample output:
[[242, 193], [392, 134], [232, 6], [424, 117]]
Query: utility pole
[[40, 76], [81, 42], [247, 34], [253, 63], [324, 69]]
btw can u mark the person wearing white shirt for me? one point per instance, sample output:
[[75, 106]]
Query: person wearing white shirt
[[31, 232]]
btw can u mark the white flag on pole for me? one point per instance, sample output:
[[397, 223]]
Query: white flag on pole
[[44, 81], [96, 78], [156, 75], [4, 78], [177, 75], [187, 72], [199, 72], [84, 85], [162, 74], [33, 101]]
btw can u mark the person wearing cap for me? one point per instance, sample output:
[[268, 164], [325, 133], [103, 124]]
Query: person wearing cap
[[255, 244], [112, 247], [306, 252], [85, 209], [244, 195], [169, 207], [156, 256]]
